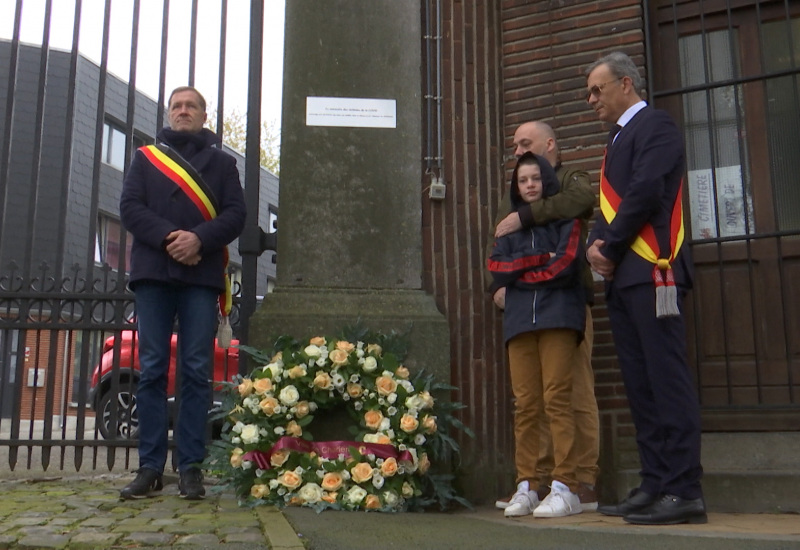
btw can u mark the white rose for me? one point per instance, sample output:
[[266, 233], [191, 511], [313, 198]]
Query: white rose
[[370, 364], [355, 495], [414, 402], [250, 434], [370, 438], [289, 396], [310, 492], [274, 369], [312, 351], [390, 498]]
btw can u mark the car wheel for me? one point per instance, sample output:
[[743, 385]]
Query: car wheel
[[127, 426]]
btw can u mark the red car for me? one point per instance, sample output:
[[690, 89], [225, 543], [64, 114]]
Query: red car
[[103, 398]]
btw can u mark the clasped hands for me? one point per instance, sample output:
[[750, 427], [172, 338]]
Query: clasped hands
[[599, 263], [184, 247]]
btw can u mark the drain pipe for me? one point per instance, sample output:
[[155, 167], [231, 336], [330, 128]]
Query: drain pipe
[[434, 158]]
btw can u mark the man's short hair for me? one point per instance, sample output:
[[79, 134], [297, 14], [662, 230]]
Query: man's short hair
[[180, 89], [620, 66]]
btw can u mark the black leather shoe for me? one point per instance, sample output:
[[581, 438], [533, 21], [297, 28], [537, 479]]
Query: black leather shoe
[[635, 501], [670, 510]]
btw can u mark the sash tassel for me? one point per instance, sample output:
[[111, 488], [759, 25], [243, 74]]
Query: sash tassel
[[646, 246]]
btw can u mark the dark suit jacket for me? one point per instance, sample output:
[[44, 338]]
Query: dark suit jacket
[[152, 206], [644, 166]]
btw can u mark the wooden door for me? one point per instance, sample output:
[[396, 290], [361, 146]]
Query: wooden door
[[729, 72]]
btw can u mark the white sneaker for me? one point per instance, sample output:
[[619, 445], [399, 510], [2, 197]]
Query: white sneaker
[[523, 502], [559, 503]]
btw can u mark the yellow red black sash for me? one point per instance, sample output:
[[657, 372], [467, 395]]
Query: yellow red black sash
[[183, 174], [646, 244]]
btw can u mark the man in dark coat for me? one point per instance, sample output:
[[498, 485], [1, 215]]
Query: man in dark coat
[[183, 203], [637, 246]]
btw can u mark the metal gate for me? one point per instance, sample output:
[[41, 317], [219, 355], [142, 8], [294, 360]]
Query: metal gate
[[70, 123]]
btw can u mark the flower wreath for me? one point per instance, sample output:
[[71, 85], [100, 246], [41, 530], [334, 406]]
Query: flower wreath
[[269, 455]]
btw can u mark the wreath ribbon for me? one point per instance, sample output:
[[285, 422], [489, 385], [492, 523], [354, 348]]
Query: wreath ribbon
[[325, 449]]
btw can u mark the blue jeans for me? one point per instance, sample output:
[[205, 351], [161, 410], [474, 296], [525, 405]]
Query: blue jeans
[[157, 305]]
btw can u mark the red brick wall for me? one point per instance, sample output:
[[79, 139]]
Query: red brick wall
[[506, 62], [47, 355]]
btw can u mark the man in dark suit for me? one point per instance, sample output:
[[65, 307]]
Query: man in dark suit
[[637, 247]]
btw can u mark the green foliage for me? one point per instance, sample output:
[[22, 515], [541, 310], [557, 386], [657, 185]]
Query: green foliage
[[234, 135], [297, 380]]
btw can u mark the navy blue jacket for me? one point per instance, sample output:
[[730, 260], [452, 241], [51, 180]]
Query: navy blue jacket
[[543, 291], [644, 166], [152, 206]]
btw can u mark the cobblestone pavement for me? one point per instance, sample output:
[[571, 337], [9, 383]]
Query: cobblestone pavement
[[85, 512], [82, 511]]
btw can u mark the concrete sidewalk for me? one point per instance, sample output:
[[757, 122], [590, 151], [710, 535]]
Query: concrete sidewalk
[[84, 511]]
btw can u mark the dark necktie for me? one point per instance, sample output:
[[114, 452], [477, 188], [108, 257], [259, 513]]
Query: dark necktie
[[614, 131]]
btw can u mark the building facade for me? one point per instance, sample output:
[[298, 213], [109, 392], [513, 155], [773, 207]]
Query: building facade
[[727, 71]]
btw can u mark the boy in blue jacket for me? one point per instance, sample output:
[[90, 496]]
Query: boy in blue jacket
[[543, 323]]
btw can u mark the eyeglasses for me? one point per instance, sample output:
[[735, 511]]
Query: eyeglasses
[[597, 89]]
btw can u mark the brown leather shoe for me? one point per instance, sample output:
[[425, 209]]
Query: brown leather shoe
[[588, 497], [543, 491]]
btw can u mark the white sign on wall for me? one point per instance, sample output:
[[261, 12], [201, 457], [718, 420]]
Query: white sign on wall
[[729, 207], [351, 112]]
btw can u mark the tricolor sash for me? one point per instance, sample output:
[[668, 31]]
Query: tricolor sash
[[183, 174], [646, 244]]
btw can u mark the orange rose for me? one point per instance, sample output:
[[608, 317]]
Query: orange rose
[[338, 357], [317, 341], [383, 439], [345, 346], [290, 480], [427, 398], [331, 481], [330, 497], [277, 357], [424, 463], [262, 386], [361, 472], [296, 372], [279, 457], [429, 424], [246, 387], [386, 385], [408, 423], [295, 501], [389, 467], [323, 381], [402, 372], [301, 409], [374, 349], [354, 390], [373, 419], [236, 457], [268, 405], [373, 502], [259, 490], [294, 429]]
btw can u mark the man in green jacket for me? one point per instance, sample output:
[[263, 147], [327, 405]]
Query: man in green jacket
[[576, 199]]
